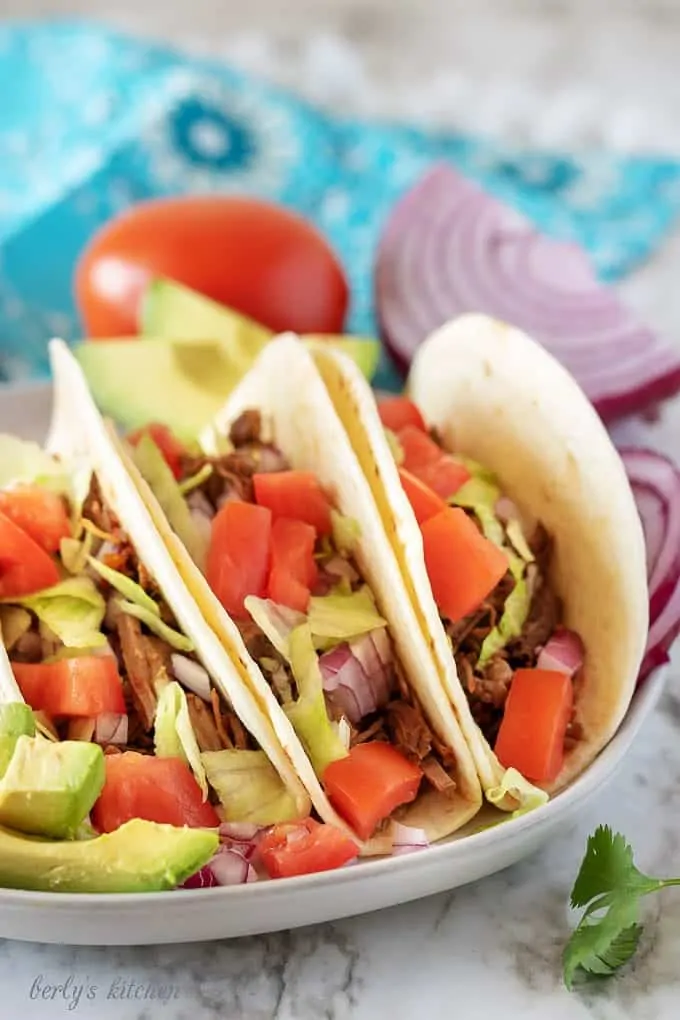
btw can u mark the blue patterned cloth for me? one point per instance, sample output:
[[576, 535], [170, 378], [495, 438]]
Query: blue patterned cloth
[[91, 121]]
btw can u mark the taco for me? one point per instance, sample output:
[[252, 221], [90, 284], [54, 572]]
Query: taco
[[519, 542], [302, 586], [107, 645]]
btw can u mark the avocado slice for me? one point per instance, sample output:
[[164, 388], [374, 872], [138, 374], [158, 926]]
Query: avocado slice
[[140, 856], [49, 788], [175, 312], [182, 383], [16, 720]]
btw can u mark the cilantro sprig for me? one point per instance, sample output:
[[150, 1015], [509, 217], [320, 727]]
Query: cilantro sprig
[[610, 887]]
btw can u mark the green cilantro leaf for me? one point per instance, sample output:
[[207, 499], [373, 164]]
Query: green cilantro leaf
[[610, 887]]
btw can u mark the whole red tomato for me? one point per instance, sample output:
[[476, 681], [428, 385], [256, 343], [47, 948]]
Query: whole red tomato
[[257, 258]]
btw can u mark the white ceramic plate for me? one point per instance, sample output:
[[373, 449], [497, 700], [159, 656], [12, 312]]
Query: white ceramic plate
[[191, 916]]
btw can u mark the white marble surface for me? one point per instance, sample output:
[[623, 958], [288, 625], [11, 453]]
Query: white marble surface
[[577, 73]]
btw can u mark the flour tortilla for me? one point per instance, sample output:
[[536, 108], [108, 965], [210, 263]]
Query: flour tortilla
[[498, 397], [79, 433]]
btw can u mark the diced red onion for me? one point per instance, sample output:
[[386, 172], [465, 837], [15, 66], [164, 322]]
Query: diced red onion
[[373, 666], [506, 510], [191, 675], [241, 836], [338, 566], [382, 645], [230, 867], [344, 678], [227, 867], [655, 482], [111, 728], [407, 839], [450, 248], [203, 879], [564, 652]]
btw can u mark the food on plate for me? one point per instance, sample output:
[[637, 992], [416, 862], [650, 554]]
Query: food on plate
[[520, 545], [196, 351], [449, 248], [117, 701], [301, 583], [255, 257]]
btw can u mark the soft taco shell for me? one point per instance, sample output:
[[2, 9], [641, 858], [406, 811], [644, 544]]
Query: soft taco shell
[[286, 387], [79, 432], [498, 397]]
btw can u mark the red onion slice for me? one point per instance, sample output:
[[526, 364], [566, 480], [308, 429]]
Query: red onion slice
[[203, 879], [230, 867], [344, 678], [564, 652], [450, 248], [191, 675], [407, 839], [341, 568], [111, 728], [241, 836], [655, 482]]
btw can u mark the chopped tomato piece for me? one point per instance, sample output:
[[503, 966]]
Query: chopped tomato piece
[[39, 512], [83, 686], [424, 501], [296, 494], [294, 569], [396, 412], [463, 566], [535, 720], [239, 554], [166, 441], [369, 783], [418, 448], [444, 476], [24, 567], [302, 848], [157, 789]]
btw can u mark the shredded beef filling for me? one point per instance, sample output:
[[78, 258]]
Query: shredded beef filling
[[232, 473], [144, 660]]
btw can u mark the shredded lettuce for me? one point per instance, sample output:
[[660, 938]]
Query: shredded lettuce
[[128, 588], [157, 626], [16, 720], [75, 553], [308, 714], [193, 482], [153, 467], [275, 621], [515, 612], [481, 496], [342, 617], [14, 622], [346, 532], [174, 736], [249, 787], [513, 784], [24, 462], [73, 610], [515, 533]]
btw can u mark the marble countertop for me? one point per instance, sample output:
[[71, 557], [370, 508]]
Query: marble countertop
[[493, 947]]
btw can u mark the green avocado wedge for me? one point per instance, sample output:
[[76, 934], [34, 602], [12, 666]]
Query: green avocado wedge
[[140, 856], [16, 720], [181, 383], [175, 312], [49, 789]]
